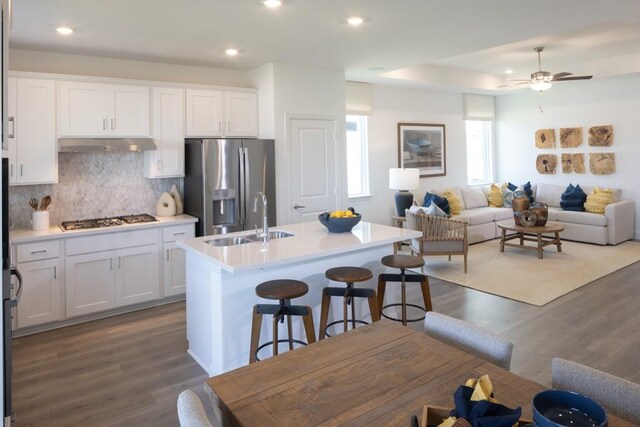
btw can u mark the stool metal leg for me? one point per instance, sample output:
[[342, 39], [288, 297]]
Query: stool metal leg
[[256, 325], [290, 330], [345, 315], [404, 297], [353, 307]]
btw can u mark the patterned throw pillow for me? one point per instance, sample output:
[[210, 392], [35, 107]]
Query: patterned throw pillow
[[440, 201], [495, 197], [573, 199], [526, 187], [433, 209], [598, 199], [455, 205]]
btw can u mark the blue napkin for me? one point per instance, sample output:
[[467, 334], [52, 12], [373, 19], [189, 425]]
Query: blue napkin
[[482, 413]]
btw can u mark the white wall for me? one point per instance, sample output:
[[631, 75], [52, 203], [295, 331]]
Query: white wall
[[393, 105], [577, 104], [62, 63], [305, 90], [262, 78]]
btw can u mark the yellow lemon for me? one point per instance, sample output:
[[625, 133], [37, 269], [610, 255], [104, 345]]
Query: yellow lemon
[[338, 214]]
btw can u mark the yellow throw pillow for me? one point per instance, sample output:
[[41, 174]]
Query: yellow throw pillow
[[598, 199], [454, 202], [495, 196]]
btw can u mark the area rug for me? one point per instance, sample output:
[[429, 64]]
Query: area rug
[[518, 274]]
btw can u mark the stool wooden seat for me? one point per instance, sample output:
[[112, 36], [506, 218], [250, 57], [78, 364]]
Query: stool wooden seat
[[283, 290], [403, 262], [350, 276]]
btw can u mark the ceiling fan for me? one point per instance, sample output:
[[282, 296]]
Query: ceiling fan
[[541, 80]]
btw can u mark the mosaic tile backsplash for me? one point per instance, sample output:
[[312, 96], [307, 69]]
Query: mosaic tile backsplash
[[92, 185]]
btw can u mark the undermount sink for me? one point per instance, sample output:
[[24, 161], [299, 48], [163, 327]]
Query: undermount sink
[[241, 240]]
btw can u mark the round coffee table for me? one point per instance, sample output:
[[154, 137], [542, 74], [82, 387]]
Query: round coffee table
[[524, 233]]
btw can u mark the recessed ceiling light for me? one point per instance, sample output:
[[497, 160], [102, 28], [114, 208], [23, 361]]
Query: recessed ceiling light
[[508, 71], [272, 3], [231, 52], [64, 30], [355, 20]]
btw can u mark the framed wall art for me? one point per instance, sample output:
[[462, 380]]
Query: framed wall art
[[422, 146]]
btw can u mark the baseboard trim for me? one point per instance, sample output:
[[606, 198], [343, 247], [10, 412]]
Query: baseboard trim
[[95, 316]]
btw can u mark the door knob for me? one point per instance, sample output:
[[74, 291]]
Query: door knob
[[297, 206]]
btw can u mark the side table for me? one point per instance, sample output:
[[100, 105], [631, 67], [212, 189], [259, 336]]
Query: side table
[[398, 221]]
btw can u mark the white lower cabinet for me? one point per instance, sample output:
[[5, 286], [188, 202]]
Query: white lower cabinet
[[137, 275], [175, 281], [90, 283], [40, 293]]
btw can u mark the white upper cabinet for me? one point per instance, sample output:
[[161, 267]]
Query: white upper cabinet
[[167, 160], [204, 113], [213, 113], [241, 114], [32, 146], [95, 109]]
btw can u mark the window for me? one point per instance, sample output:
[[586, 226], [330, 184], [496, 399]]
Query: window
[[357, 156], [479, 152]]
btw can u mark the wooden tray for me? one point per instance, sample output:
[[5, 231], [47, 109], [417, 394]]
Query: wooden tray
[[433, 415]]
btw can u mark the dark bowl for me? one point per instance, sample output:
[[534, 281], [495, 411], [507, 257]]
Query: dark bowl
[[339, 225], [559, 408]]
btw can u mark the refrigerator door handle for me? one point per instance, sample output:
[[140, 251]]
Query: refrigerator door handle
[[243, 195], [247, 173], [15, 272]]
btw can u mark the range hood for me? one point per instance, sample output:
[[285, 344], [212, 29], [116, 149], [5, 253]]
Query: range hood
[[93, 145]]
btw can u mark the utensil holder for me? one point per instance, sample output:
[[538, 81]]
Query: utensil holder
[[40, 220]]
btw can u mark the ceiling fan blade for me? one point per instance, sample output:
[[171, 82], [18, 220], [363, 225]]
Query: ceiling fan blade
[[564, 79], [518, 80], [516, 84], [560, 75]]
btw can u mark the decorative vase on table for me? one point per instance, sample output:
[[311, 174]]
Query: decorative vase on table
[[519, 204], [542, 213]]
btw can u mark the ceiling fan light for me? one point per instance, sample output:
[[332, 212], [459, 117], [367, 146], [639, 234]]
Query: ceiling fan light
[[540, 86]]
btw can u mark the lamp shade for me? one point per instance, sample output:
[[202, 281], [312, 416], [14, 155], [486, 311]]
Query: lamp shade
[[404, 179]]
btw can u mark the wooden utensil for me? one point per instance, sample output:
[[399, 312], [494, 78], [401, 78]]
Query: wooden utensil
[[33, 202], [46, 201]]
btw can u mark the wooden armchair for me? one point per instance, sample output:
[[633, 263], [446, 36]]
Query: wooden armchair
[[440, 236]]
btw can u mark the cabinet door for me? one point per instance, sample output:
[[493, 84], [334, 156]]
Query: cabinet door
[[11, 128], [40, 294], [128, 108], [35, 132], [175, 281], [204, 113], [82, 109], [167, 160], [137, 278], [90, 283], [241, 114]]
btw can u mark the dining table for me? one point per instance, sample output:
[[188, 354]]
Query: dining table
[[375, 375]]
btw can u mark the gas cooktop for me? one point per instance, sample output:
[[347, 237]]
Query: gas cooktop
[[81, 224]]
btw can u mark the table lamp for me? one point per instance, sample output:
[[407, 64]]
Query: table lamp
[[404, 180]]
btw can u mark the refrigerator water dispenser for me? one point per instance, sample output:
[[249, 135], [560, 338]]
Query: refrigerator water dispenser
[[224, 207]]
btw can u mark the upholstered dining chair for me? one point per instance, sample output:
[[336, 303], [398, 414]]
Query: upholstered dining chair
[[617, 395], [440, 236], [468, 337], [191, 412]]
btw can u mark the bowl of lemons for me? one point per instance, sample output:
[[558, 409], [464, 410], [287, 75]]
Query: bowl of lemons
[[340, 221]]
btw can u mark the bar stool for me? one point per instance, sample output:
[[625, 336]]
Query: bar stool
[[403, 262], [283, 290], [350, 276]]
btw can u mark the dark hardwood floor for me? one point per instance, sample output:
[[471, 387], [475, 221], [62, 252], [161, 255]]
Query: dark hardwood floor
[[128, 370]]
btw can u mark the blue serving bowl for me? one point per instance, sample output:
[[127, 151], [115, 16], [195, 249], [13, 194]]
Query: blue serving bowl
[[339, 225], [558, 408]]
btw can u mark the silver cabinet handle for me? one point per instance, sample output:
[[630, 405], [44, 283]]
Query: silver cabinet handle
[[119, 262], [42, 251], [12, 122], [21, 170], [167, 254], [297, 206], [55, 272], [113, 123], [104, 124], [178, 234]]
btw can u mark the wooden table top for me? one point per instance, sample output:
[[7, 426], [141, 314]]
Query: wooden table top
[[549, 227], [376, 375]]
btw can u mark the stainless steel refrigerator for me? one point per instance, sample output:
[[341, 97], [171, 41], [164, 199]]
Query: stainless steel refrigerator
[[222, 177]]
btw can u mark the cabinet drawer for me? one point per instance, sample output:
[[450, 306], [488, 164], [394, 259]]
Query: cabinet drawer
[[112, 241], [178, 232], [36, 251]]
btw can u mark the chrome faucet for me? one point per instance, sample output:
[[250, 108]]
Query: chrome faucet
[[265, 220]]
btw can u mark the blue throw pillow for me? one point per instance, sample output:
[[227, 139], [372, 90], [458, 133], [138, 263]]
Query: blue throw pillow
[[441, 202], [526, 187], [573, 199]]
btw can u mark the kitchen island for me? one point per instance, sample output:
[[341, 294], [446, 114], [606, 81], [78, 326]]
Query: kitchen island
[[221, 282]]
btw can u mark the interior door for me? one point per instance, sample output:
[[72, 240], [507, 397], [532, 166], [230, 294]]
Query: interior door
[[314, 167]]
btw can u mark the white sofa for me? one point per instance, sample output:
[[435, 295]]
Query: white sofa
[[615, 226]]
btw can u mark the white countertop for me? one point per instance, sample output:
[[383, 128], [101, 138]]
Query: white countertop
[[310, 240], [21, 235]]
